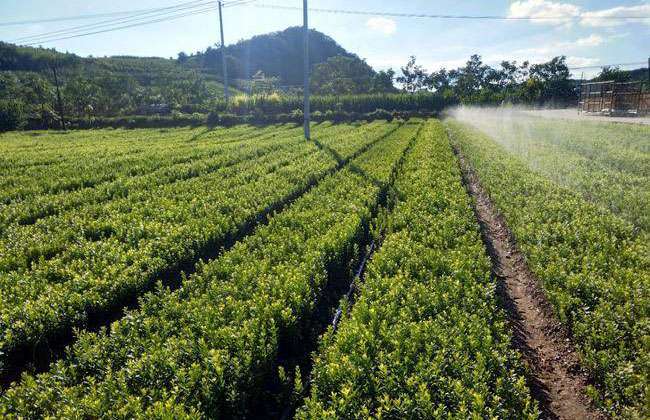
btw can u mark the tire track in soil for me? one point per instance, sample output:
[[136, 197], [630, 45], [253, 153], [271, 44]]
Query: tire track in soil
[[555, 377]]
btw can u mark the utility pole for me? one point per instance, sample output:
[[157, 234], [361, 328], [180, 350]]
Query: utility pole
[[58, 96], [223, 56], [306, 110]]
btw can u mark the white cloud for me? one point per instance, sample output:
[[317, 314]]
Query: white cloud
[[592, 40], [590, 18], [383, 25], [561, 48], [543, 9], [581, 61], [546, 10]]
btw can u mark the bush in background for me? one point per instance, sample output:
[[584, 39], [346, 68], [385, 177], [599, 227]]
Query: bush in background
[[12, 115]]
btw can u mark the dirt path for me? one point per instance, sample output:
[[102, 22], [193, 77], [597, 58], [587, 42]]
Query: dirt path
[[556, 378]]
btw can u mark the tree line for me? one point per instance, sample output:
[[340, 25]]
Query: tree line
[[546, 83], [45, 87]]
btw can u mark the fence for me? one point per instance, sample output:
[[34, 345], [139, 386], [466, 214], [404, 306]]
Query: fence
[[613, 98], [644, 106]]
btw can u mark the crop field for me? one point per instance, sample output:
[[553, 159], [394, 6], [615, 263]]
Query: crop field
[[202, 273], [608, 164]]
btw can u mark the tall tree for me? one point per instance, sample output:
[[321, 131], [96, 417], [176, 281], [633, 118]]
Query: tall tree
[[414, 78], [608, 73], [383, 82]]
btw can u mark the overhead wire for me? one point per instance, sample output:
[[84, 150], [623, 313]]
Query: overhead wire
[[165, 19], [75, 17], [446, 16], [143, 17], [102, 15], [154, 13]]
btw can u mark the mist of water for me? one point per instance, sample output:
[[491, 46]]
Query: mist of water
[[604, 162], [512, 127]]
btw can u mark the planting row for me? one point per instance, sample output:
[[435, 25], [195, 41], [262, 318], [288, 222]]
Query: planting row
[[26, 150], [209, 348], [98, 160], [593, 265], [609, 164], [146, 174], [25, 246], [186, 166], [94, 259], [425, 338]]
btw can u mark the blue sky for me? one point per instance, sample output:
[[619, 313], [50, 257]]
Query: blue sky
[[384, 42]]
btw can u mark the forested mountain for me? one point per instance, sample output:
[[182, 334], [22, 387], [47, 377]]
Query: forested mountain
[[278, 54], [109, 86]]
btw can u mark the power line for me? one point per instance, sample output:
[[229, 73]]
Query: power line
[[107, 23], [238, 3], [247, 2], [640, 63], [441, 16], [68, 18], [101, 15], [166, 19]]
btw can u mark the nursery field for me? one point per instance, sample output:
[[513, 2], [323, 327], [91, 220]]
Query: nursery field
[[608, 164], [248, 273]]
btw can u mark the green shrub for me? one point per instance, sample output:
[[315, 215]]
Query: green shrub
[[12, 115]]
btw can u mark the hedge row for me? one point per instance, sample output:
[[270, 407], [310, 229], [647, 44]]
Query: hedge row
[[228, 119], [593, 265], [56, 273], [207, 349], [357, 103], [426, 338]]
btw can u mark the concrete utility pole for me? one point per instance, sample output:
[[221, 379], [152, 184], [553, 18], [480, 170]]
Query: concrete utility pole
[[223, 56], [306, 110]]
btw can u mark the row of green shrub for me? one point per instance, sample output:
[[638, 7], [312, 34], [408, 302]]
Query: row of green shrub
[[593, 266], [64, 269], [244, 110], [361, 104], [129, 122], [425, 338], [297, 117], [213, 119], [207, 349]]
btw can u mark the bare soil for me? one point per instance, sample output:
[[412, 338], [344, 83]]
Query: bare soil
[[556, 378]]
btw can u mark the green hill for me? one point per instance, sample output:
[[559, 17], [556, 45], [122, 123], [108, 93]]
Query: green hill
[[122, 85], [278, 54]]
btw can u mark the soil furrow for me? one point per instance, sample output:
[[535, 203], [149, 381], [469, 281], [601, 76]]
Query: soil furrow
[[555, 375]]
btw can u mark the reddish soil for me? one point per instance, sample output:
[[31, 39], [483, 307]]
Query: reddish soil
[[556, 378]]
